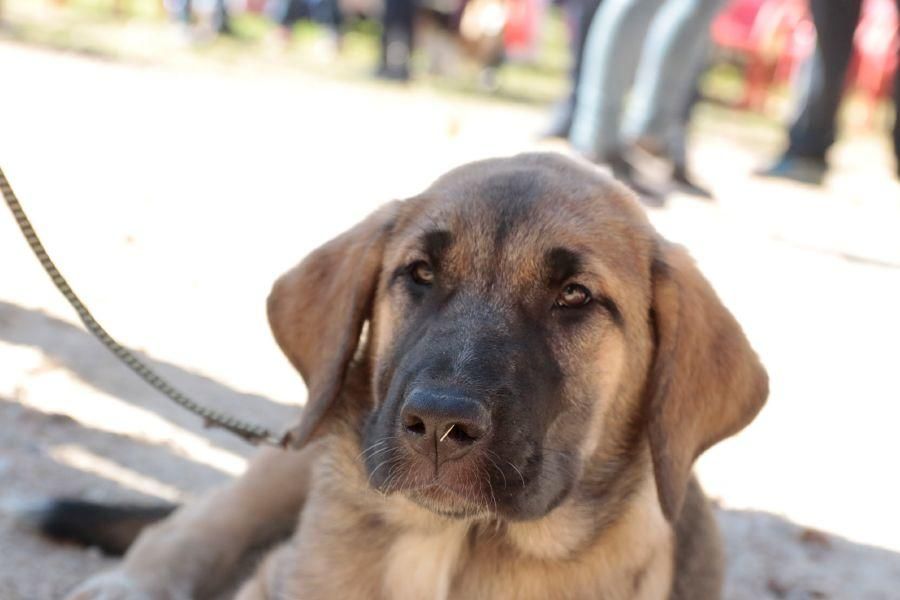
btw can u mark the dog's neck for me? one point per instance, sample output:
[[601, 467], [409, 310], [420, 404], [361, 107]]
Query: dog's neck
[[629, 541]]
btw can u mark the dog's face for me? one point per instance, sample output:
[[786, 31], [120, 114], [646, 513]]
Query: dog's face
[[515, 335], [499, 337]]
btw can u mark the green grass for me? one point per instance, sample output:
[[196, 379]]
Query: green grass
[[144, 34]]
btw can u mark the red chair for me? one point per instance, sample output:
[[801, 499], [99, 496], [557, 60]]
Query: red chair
[[875, 54], [522, 28], [771, 37]]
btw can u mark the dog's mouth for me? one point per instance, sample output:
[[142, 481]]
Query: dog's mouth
[[474, 487], [449, 501], [452, 490]]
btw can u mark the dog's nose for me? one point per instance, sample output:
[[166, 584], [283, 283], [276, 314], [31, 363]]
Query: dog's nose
[[442, 424]]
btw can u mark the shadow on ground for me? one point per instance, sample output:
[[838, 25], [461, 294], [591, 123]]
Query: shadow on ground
[[65, 346]]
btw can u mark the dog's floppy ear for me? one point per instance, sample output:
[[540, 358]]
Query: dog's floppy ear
[[318, 308], [706, 382]]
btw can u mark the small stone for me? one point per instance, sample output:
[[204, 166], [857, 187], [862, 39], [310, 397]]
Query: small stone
[[814, 537], [778, 589]]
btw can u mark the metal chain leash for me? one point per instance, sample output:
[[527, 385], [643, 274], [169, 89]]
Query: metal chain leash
[[253, 434]]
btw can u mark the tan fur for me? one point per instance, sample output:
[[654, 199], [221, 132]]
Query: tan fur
[[642, 400], [413, 554]]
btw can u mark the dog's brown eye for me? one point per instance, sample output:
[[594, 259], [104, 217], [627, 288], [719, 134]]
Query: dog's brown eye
[[573, 296], [421, 273]]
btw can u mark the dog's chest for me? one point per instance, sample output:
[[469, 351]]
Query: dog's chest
[[421, 565]]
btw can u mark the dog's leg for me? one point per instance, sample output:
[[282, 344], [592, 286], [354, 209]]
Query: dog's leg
[[268, 580], [198, 548]]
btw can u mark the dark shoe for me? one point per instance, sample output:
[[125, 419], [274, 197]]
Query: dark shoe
[[225, 29], [395, 56], [797, 168], [392, 73], [625, 172], [220, 24], [685, 183]]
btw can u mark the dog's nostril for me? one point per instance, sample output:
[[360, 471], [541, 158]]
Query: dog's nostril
[[462, 434], [414, 425]]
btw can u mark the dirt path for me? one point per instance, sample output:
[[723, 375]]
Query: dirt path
[[172, 198]]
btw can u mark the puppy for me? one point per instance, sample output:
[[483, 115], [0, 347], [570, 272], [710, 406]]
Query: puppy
[[510, 377]]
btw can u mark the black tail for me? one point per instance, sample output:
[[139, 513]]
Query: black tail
[[111, 528]]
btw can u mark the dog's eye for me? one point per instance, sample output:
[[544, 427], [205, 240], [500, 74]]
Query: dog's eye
[[421, 273], [573, 296]]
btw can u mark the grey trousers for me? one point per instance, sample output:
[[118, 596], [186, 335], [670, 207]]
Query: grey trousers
[[659, 45]]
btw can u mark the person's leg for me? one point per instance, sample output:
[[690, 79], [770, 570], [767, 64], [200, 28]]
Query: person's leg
[[219, 19], [821, 85], [285, 14], [611, 54], [672, 62], [181, 11], [330, 15], [813, 129], [676, 140], [397, 38], [580, 13], [675, 50], [584, 17]]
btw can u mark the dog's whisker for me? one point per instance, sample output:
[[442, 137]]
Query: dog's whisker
[[405, 482], [496, 466], [392, 475], [364, 454], [375, 445], [375, 470], [490, 487], [522, 477], [381, 451]]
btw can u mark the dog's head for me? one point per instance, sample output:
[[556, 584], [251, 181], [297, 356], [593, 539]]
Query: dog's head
[[524, 322]]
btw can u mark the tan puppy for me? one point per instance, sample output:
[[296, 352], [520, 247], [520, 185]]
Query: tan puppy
[[510, 377]]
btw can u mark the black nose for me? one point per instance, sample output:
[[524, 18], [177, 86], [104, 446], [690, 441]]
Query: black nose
[[443, 424]]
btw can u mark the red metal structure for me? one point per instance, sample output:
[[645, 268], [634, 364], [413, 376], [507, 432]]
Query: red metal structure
[[772, 38]]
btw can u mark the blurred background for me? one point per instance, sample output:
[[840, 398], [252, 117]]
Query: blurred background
[[176, 156]]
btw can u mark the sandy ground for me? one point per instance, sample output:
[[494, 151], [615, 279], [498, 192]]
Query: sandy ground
[[172, 197]]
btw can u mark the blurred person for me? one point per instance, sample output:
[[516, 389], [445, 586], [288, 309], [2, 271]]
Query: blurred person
[[182, 11], [397, 25], [579, 14], [660, 47], [666, 90], [450, 30], [822, 81], [286, 14]]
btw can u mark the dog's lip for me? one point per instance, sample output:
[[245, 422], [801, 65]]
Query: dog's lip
[[439, 489], [445, 499], [441, 486]]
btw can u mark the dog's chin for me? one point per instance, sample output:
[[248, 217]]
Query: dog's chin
[[446, 502], [461, 491], [456, 491]]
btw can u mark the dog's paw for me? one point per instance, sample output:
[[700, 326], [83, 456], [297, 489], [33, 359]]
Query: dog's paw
[[118, 585]]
